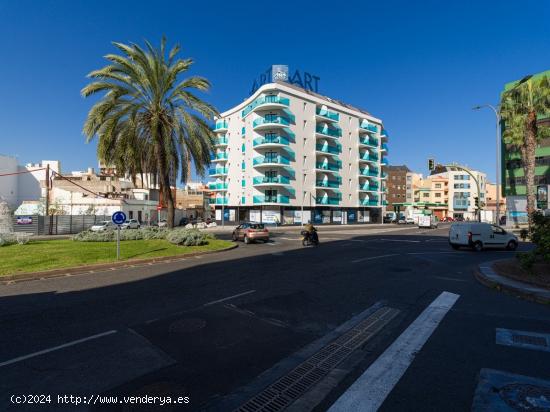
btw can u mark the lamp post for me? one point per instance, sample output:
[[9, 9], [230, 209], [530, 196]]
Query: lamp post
[[304, 172], [497, 184]]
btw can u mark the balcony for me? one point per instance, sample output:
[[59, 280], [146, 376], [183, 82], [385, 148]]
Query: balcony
[[334, 150], [369, 172], [220, 201], [328, 132], [279, 199], [270, 121], [327, 200], [368, 141], [221, 126], [368, 202], [384, 134], [368, 158], [217, 186], [384, 175], [331, 184], [384, 161], [218, 171], [270, 161], [270, 180], [326, 114], [329, 166], [384, 147], [219, 157], [368, 127], [270, 141], [366, 187], [266, 102], [221, 141]]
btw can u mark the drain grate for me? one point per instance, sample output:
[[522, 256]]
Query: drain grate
[[529, 340], [290, 387]]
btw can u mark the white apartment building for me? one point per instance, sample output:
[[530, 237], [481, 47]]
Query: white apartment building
[[287, 155], [462, 191]]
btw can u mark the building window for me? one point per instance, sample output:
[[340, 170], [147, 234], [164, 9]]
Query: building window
[[243, 200], [243, 165], [243, 183], [438, 194], [243, 147], [438, 185], [426, 194]]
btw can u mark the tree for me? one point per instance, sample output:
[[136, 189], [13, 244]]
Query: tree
[[519, 108], [149, 121]]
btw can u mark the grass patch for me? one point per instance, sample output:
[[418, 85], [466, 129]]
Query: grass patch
[[42, 255]]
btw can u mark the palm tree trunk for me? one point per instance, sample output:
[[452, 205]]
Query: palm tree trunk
[[165, 188], [528, 155]]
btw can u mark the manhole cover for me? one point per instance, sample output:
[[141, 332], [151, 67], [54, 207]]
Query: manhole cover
[[160, 389], [525, 397], [187, 325], [530, 340]]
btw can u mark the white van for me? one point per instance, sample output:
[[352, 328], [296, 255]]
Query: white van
[[479, 236], [427, 221]]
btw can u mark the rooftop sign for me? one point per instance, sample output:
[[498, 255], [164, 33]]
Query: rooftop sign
[[280, 72]]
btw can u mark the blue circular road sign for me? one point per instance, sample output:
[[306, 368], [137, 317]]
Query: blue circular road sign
[[118, 218]]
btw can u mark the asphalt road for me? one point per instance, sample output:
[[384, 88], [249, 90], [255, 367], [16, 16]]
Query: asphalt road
[[219, 328]]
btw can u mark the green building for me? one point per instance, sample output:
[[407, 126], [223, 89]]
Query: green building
[[513, 177]]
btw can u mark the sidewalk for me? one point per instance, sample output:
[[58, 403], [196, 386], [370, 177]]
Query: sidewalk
[[488, 277]]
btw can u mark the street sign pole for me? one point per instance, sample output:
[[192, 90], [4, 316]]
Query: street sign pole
[[118, 218], [118, 242]]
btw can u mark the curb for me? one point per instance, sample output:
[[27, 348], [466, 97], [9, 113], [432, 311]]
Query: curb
[[86, 269], [485, 275]]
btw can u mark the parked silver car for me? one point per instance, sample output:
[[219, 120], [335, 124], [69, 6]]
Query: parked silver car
[[102, 226], [130, 224]]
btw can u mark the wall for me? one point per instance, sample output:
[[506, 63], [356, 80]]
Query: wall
[[8, 184]]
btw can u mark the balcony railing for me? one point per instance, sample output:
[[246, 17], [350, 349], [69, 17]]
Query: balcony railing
[[367, 126], [271, 140], [327, 200], [328, 114], [368, 141], [221, 125], [369, 187], [327, 131], [368, 202], [221, 141], [271, 199], [270, 159], [329, 166], [368, 157], [384, 147], [329, 149], [370, 172], [271, 120], [265, 100], [384, 161], [220, 201], [219, 156], [218, 171], [384, 133], [217, 186], [328, 183], [258, 180]]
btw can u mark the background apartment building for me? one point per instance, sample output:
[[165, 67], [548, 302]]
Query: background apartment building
[[396, 186], [287, 155]]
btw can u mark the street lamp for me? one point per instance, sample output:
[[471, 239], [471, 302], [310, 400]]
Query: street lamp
[[497, 184]]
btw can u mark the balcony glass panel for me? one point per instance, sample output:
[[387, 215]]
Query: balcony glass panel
[[271, 199], [328, 131], [257, 180], [329, 149], [263, 100], [271, 139], [271, 159], [328, 114], [271, 119], [221, 124]]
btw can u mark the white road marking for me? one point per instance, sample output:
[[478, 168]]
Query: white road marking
[[453, 279], [370, 390], [428, 253], [65, 345], [229, 298], [373, 257]]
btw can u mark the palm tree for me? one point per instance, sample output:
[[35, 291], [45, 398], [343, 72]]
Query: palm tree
[[519, 108], [149, 121]]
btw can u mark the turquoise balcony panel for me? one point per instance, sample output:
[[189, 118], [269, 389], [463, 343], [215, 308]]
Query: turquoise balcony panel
[[265, 100], [221, 125], [328, 183], [221, 201], [384, 133], [327, 200], [217, 186], [370, 187], [270, 160], [327, 131], [271, 140], [384, 147], [384, 175], [271, 199], [221, 141], [329, 166], [384, 161], [218, 171], [258, 180], [369, 157], [329, 149], [367, 126], [271, 119], [219, 156], [371, 172], [385, 202], [368, 141], [328, 114], [369, 202]]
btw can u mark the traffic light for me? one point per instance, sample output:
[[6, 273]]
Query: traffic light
[[431, 164], [476, 200]]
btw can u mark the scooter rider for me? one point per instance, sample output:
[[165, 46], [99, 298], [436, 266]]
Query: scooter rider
[[311, 231]]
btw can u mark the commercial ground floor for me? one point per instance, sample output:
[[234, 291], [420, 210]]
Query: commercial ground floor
[[286, 215]]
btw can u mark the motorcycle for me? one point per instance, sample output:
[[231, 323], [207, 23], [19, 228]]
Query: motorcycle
[[309, 239]]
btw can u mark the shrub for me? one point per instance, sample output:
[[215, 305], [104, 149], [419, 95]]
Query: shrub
[[154, 232], [89, 236], [188, 237], [527, 260], [523, 233], [7, 239]]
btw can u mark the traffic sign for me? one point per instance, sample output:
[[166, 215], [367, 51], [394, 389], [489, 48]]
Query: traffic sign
[[118, 218]]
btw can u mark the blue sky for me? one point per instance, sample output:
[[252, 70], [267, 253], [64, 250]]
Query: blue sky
[[420, 66]]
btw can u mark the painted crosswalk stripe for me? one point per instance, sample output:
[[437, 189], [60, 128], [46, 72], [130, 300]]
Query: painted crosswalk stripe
[[373, 257], [370, 390]]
